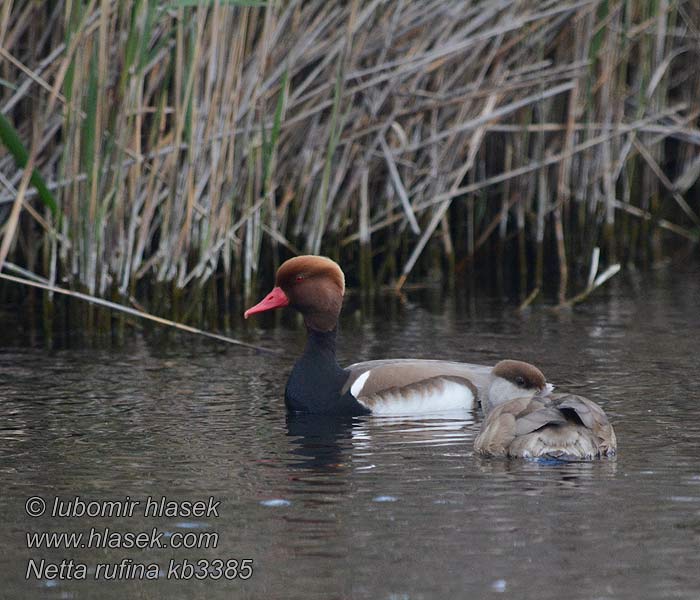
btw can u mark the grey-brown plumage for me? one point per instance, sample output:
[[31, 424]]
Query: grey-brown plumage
[[385, 374], [415, 385], [563, 426]]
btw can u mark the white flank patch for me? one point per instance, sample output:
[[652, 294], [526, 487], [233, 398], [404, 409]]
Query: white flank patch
[[359, 383], [408, 402]]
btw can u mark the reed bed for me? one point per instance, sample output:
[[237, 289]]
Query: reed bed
[[170, 154]]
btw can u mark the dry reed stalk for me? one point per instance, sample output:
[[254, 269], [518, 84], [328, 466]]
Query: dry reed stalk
[[196, 143], [10, 226], [32, 282]]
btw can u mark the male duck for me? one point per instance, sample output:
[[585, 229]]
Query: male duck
[[314, 286]]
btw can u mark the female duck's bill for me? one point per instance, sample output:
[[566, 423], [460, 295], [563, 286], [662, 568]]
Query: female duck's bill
[[314, 286]]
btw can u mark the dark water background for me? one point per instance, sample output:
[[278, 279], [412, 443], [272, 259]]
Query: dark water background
[[376, 508]]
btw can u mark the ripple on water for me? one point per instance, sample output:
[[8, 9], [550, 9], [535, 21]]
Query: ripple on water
[[275, 502]]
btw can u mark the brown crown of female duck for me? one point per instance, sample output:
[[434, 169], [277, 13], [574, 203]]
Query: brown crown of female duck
[[520, 373]]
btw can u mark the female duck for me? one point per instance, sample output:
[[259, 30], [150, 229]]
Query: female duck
[[562, 426]]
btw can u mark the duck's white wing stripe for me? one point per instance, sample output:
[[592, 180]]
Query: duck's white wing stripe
[[359, 383]]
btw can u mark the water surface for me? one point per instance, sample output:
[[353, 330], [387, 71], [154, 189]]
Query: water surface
[[380, 508]]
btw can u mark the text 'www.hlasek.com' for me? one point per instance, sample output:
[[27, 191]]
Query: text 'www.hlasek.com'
[[188, 536]]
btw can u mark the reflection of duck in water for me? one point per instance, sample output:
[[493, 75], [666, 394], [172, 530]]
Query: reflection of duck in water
[[564, 426], [314, 286], [321, 443]]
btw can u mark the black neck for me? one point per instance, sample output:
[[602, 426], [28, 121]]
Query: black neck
[[322, 344], [317, 379]]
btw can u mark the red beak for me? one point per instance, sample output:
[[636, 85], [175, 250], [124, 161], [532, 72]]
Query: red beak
[[275, 299]]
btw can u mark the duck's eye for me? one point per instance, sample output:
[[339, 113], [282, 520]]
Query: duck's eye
[[299, 278], [520, 381]]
